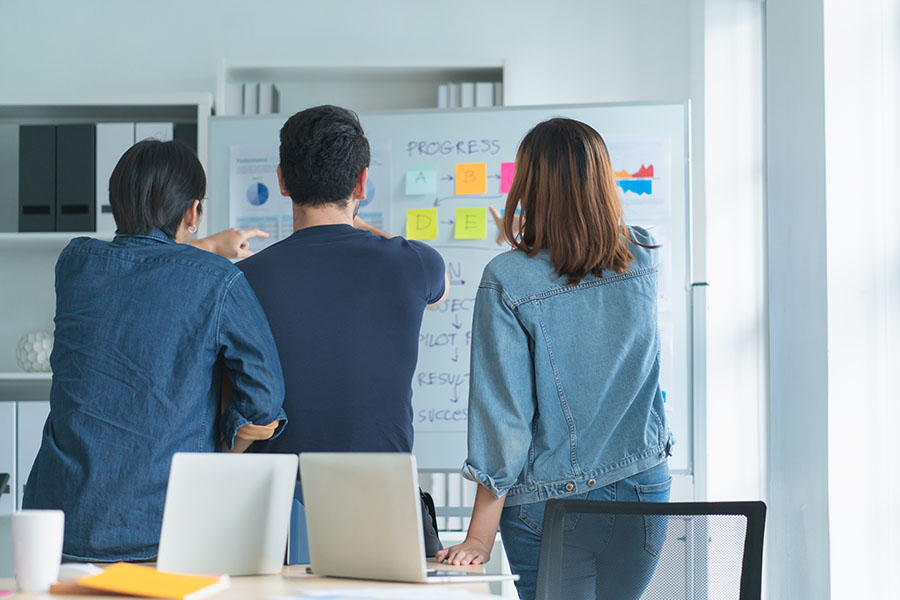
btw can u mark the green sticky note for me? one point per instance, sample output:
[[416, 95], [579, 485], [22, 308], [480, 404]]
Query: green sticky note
[[421, 224], [421, 180], [471, 223]]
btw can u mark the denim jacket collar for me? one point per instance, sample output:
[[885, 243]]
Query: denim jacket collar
[[154, 234]]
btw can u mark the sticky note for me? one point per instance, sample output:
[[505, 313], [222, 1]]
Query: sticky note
[[471, 178], [471, 223], [507, 171], [421, 180], [421, 224]]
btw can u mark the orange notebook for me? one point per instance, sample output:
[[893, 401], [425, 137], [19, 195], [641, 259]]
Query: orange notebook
[[147, 582]]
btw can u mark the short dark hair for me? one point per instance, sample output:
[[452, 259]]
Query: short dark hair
[[153, 186], [323, 151]]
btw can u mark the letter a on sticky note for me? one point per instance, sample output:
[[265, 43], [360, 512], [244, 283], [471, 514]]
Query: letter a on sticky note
[[421, 180], [471, 178], [507, 172], [421, 224], [471, 223]]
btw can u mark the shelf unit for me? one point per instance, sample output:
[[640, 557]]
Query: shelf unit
[[22, 110], [357, 86]]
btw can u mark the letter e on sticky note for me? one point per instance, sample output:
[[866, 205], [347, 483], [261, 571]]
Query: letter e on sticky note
[[471, 178], [471, 224], [421, 224]]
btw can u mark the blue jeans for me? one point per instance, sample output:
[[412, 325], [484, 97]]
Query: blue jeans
[[628, 550]]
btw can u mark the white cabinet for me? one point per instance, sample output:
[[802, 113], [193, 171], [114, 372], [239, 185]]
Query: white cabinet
[[21, 428], [8, 454], [30, 420]]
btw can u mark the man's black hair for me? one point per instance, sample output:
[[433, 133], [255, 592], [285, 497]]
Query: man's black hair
[[323, 151], [153, 186]]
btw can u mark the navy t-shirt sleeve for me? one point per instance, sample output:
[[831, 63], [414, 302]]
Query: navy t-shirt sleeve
[[433, 268]]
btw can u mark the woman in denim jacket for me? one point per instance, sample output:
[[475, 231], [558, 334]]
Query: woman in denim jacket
[[146, 327], [564, 398]]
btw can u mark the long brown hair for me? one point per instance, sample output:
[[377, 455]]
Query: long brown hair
[[566, 186]]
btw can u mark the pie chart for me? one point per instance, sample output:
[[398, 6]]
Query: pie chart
[[257, 194]]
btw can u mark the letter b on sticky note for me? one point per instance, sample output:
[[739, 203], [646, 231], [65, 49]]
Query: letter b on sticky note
[[471, 178], [471, 223], [421, 224]]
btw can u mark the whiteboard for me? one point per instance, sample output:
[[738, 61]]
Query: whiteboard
[[648, 145]]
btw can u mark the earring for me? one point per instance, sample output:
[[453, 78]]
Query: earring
[[192, 229]]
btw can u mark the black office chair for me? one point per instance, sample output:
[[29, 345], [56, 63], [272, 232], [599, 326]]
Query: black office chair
[[690, 550]]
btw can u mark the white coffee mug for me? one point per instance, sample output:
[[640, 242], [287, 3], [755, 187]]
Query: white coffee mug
[[37, 537]]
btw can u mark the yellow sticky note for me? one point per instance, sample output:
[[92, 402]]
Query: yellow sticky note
[[471, 223], [471, 178], [421, 224]]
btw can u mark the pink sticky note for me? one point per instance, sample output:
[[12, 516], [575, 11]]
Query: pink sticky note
[[507, 170]]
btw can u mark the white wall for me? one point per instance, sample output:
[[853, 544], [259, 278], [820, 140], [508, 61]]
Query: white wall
[[862, 137], [561, 51]]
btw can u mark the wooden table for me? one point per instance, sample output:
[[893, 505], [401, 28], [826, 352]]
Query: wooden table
[[292, 579]]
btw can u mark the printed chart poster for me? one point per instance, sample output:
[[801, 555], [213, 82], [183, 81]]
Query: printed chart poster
[[376, 208], [255, 199]]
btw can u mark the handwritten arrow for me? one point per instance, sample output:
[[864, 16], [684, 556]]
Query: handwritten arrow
[[437, 201], [457, 282], [455, 355], [450, 222], [447, 178], [493, 176], [456, 322]]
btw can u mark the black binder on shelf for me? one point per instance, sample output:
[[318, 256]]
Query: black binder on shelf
[[37, 178], [76, 155], [186, 133]]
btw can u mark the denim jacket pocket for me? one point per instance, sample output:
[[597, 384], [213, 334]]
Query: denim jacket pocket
[[655, 526]]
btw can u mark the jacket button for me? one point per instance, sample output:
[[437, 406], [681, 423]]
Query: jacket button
[[570, 487], [591, 482]]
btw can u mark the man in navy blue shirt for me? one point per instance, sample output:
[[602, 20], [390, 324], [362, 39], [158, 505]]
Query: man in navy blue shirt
[[344, 300]]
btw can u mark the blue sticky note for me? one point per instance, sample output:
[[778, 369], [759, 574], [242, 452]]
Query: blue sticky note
[[421, 180]]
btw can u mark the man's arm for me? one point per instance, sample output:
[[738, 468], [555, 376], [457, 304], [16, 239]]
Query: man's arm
[[231, 243], [360, 224], [251, 361], [246, 434]]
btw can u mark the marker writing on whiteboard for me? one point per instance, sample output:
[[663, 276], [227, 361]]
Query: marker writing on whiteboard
[[457, 147]]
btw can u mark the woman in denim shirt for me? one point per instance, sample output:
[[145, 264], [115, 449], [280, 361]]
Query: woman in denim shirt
[[564, 397], [146, 327]]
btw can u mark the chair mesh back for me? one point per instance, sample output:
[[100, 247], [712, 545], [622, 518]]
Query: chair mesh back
[[625, 551]]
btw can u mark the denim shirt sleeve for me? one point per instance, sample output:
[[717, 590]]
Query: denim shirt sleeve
[[502, 400], [251, 359]]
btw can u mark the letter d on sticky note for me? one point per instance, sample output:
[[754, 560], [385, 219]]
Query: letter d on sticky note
[[471, 223], [421, 224]]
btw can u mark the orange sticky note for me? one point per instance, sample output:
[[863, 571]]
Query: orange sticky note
[[471, 178], [421, 224]]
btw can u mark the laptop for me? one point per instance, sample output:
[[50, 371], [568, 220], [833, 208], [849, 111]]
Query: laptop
[[227, 513], [364, 520]]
